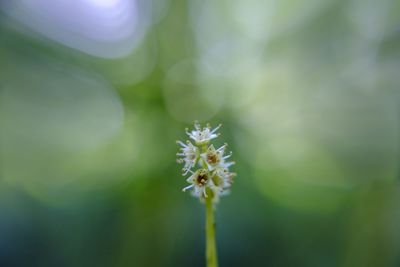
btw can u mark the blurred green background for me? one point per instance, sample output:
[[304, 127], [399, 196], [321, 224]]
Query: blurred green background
[[94, 93]]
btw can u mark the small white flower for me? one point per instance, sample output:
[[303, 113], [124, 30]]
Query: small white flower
[[223, 178], [202, 136], [189, 154], [214, 158], [198, 181]]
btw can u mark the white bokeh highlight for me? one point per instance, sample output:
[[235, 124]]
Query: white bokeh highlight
[[103, 28]]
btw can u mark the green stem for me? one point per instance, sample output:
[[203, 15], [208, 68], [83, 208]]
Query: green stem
[[211, 247]]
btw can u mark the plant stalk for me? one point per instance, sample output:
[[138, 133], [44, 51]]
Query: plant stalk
[[211, 246]]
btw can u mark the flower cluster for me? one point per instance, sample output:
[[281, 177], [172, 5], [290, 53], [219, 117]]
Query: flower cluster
[[212, 178]]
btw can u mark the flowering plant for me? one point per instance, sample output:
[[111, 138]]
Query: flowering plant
[[209, 177]]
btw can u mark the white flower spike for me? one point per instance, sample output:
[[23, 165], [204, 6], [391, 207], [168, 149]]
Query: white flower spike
[[213, 178]]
